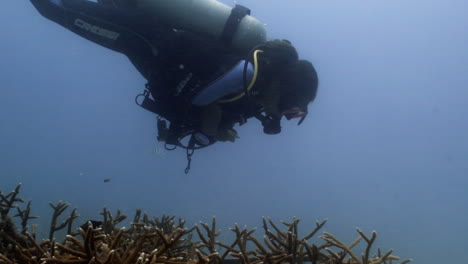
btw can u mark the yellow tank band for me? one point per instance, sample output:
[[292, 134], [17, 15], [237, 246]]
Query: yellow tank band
[[252, 82]]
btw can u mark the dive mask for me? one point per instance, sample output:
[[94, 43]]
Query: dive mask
[[295, 112]]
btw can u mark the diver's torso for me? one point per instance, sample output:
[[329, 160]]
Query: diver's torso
[[187, 63]]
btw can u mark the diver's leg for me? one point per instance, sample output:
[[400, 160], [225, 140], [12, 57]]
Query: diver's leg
[[119, 3], [122, 30], [106, 2], [210, 118]]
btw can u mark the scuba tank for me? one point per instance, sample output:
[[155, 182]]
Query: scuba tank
[[206, 17]]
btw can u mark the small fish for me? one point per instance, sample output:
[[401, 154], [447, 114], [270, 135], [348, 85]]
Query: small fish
[[94, 224], [107, 180]]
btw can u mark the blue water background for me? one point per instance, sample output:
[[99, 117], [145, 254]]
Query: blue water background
[[385, 146]]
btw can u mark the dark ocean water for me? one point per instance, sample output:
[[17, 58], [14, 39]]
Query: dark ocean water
[[385, 146]]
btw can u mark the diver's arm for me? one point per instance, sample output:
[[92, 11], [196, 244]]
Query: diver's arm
[[113, 28]]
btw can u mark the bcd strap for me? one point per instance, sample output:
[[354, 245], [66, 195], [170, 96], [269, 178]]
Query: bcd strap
[[190, 151], [230, 28], [150, 105]]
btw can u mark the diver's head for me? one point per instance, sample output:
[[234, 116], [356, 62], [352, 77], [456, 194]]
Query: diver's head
[[276, 55], [297, 79], [298, 86]]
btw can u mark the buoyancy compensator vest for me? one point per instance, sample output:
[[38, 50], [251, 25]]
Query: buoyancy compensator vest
[[229, 35]]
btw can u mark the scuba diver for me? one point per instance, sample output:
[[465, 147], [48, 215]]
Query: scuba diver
[[208, 66]]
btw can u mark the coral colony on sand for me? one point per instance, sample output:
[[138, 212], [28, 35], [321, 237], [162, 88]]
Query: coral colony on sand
[[162, 240]]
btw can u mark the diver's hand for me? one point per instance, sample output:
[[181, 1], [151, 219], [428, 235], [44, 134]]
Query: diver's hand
[[271, 126], [227, 135]]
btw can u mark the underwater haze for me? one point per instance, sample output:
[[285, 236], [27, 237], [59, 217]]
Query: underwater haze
[[385, 145]]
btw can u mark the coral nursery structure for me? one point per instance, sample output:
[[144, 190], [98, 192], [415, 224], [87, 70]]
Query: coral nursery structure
[[166, 241]]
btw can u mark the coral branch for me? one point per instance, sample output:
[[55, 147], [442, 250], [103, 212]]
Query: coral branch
[[59, 208], [25, 217], [7, 202]]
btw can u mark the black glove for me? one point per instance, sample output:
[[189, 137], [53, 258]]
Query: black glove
[[227, 135], [271, 126]]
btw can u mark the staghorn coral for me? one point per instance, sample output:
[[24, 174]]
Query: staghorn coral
[[9, 235], [162, 240]]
